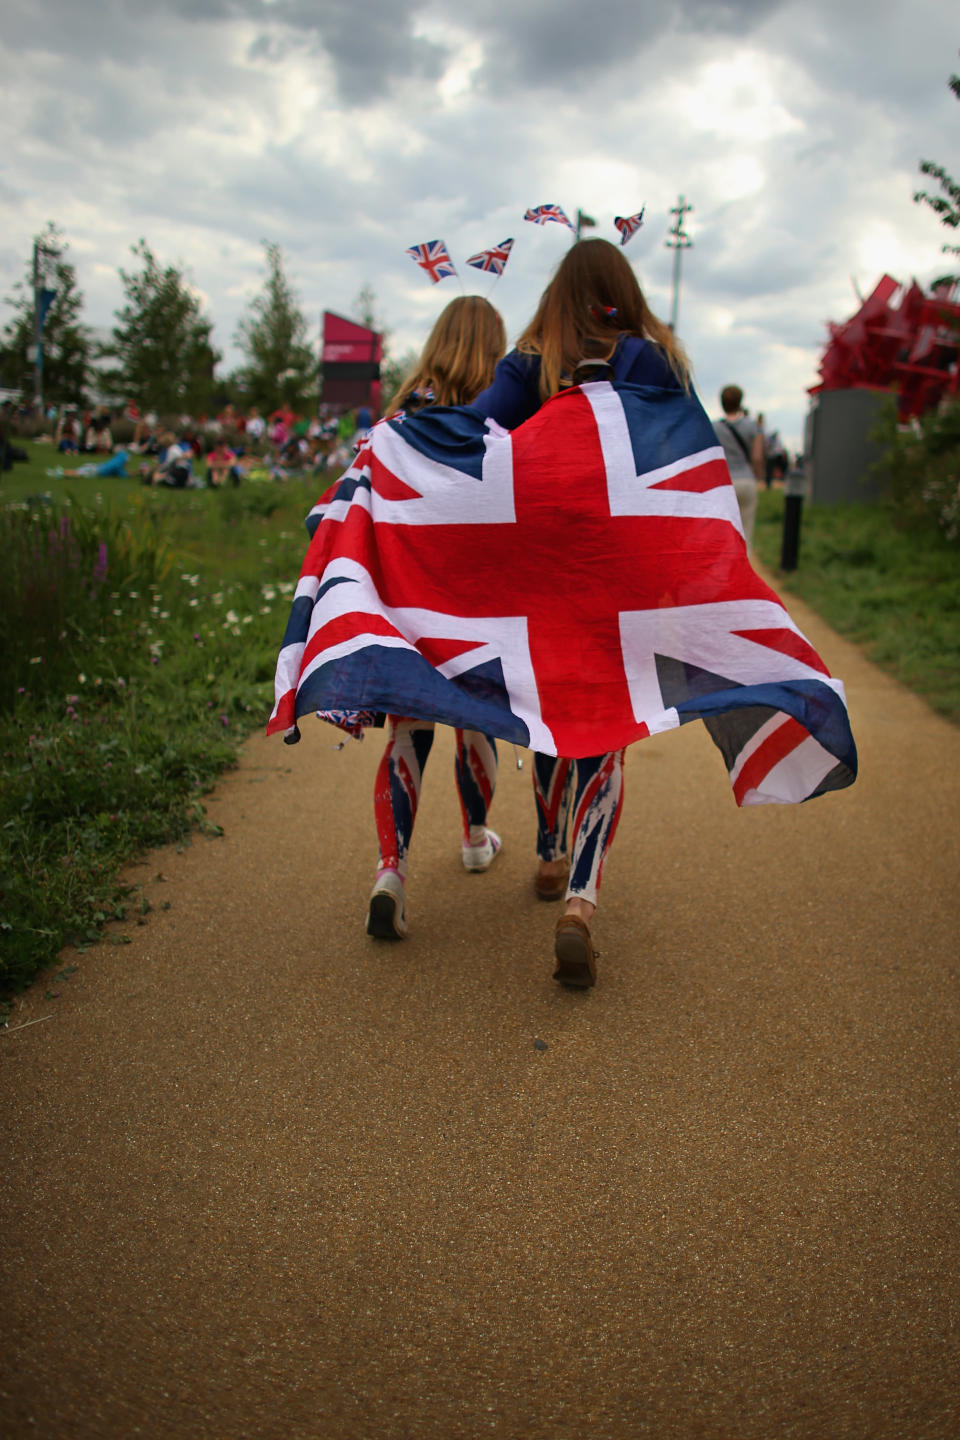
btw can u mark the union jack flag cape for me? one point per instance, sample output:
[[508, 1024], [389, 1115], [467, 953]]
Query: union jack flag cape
[[495, 259], [433, 257], [572, 586], [629, 225], [541, 214]]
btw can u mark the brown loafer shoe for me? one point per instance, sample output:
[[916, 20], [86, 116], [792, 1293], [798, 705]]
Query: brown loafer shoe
[[552, 887], [576, 957]]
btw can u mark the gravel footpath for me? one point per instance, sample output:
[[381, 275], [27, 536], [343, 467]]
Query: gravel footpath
[[266, 1177]]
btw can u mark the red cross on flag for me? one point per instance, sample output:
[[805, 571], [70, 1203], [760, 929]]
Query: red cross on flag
[[433, 257]]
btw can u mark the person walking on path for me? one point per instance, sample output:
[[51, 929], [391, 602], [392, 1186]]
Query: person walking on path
[[743, 448], [458, 361], [592, 322]]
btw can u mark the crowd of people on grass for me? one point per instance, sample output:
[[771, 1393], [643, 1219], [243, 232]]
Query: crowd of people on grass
[[220, 450], [213, 451]]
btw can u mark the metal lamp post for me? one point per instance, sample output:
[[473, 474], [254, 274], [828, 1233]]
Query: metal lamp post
[[678, 240]]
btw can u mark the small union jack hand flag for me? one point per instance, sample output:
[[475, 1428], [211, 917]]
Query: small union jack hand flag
[[628, 227], [494, 259], [540, 214], [433, 257]]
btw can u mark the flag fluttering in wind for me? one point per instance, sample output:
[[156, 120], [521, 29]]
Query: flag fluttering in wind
[[541, 214], [417, 596], [628, 226], [433, 257], [585, 221], [494, 259]]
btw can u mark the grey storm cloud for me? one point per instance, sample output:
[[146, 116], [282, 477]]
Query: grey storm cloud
[[538, 42], [553, 42], [375, 45], [371, 46]]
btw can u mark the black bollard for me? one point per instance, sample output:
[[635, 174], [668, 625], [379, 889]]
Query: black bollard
[[792, 513]]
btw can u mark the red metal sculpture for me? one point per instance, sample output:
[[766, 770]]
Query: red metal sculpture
[[912, 347]]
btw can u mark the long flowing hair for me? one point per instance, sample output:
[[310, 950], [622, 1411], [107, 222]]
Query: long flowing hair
[[460, 356], [592, 300]]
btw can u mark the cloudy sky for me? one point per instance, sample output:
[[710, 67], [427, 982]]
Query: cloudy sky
[[346, 130]]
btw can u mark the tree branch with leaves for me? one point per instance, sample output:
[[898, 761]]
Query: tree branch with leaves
[[946, 205], [161, 341]]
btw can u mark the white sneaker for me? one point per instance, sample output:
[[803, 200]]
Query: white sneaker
[[385, 917], [481, 857]]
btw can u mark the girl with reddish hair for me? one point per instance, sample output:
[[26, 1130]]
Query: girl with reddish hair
[[592, 319], [592, 323]]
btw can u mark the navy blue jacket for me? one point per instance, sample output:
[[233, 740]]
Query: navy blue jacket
[[515, 393]]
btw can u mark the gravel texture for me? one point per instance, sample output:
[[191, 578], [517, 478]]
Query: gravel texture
[[266, 1177]]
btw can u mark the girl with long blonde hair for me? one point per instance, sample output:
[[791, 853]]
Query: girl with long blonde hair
[[458, 360]]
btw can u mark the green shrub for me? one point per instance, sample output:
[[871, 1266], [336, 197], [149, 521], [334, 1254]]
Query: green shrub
[[153, 631], [70, 580], [921, 468], [893, 588]]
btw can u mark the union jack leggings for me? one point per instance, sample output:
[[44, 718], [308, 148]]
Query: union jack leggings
[[396, 791], [592, 789]]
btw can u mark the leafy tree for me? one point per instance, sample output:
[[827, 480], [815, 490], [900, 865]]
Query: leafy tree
[[67, 345], [281, 367], [161, 341], [364, 309], [946, 204], [394, 368], [394, 371]]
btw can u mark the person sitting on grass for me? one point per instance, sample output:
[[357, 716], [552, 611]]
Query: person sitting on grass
[[174, 468], [99, 436], [319, 456], [145, 438], [67, 436], [290, 459], [222, 465]]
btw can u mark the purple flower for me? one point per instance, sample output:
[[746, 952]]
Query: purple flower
[[100, 568]]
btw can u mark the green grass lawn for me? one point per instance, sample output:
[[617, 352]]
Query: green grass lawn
[[894, 591], [139, 630]]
